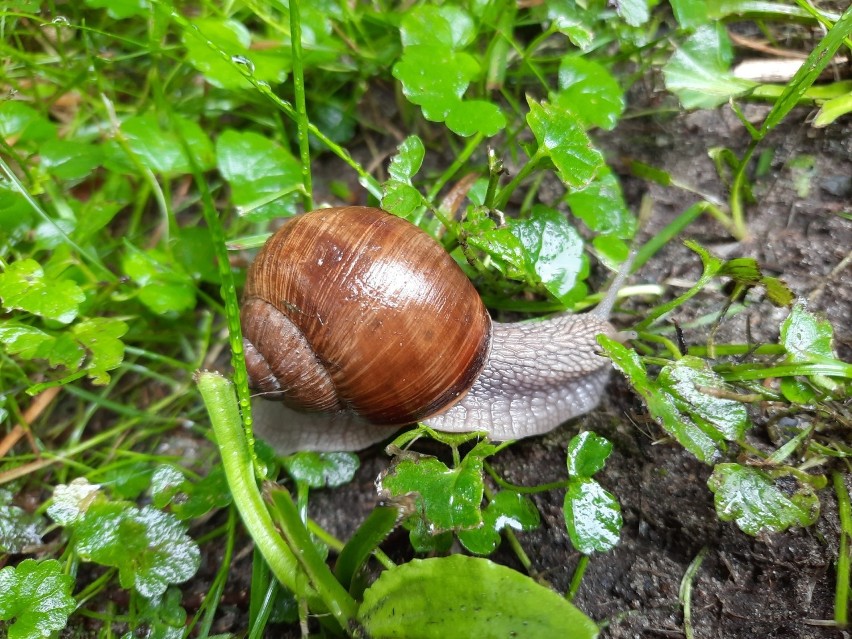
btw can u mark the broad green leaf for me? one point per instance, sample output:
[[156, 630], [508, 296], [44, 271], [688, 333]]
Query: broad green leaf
[[554, 250], [408, 159], [689, 13], [460, 596], [16, 216], [660, 404], [69, 159], [18, 528], [21, 122], [25, 286], [592, 516], [189, 499], [161, 150], [448, 499], [470, 117], [806, 339], [691, 382], [161, 617], [752, 498], [502, 245], [601, 206], [35, 596], [590, 92], [120, 9], [832, 109], [322, 470], [573, 21], [263, 175], [27, 342], [561, 137], [127, 480], [150, 548], [163, 285], [100, 336], [71, 501], [507, 509], [697, 72], [400, 198], [196, 254], [634, 12], [587, 454], [435, 78], [448, 26]]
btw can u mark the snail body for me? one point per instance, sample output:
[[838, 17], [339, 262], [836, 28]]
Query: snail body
[[358, 322]]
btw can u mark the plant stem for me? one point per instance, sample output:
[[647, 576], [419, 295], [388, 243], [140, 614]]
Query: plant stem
[[841, 591], [577, 577], [529, 167], [301, 109], [685, 594]]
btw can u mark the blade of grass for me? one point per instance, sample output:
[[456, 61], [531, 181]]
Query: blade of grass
[[841, 592], [685, 594], [301, 109]]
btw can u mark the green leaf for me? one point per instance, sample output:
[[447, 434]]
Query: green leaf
[[435, 78], [127, 480], [590, 92], [37, 596], [746, 271], [806, 339], [592, 516], [408, 159], [163, 285], [448, 499], [322, 470], [260, 172], [448, 26], [18, 528], [660, 404], [587, 454], [470, 117], [460, 596], [20, 122], [25, 286], [150, 548], [573, 21], [691, 382], [120, 9], [507, 509], [70, 159], [502, 245], [601, 206], [698, 71], [560, 136], [71, 501], [161, 617], [188, 499], [161, 150], [554, 250], [758, 504], [400, 198], [634, 12], [689, 13], [100, 336]]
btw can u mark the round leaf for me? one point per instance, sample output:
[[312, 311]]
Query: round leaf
[[590, 92]]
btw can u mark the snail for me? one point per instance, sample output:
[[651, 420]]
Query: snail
[[357, 322]]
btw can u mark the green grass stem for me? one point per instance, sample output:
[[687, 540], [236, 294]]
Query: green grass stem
[[841, 592], [301, 108]]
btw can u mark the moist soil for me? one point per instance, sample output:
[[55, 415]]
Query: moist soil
[[775, 585]]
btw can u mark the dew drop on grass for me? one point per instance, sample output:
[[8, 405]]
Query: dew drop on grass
[[243, 61], [61, 20]]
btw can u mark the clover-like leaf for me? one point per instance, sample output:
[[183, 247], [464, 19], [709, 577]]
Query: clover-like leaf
[[161, 150], [18, 528], [592, 516], [806, 339], [36, 597], [408, 159], [189, 499], [161, 617], [697, 72], [322, 470], [555, 252], [590, 92], [400, 198], [507, 509], [150, 548], [587, 454], [561, 136], [470, 117], [24, 285], [71, 501], [447, 25], [164, 287], [758, 503], [263, 175], [100, 336], [435, 78]]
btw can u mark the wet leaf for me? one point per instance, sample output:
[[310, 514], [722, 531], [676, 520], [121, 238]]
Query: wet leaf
[[470, 117], [400, 198], [587, 454], [573, 21], [263, 175], [435, 78], [18, 528], [806, 339], [447, 25], [189, 499], [447, 498], [100, 336], [150, 548], [698, 71], [161, 617], [71, 501], [35, 596], [164, 287], [554, 252], [691, 382], [19, 121], [24, 285], [634, 12], [69, 159], [561, 136], [592, 516], [161, 149], [502, 245], [460, 596], [322, 470], [689, 13], [590, 92], [408, 159], [601, 206], [507, 509], [660, 404], [755, 501], [127, 481]]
